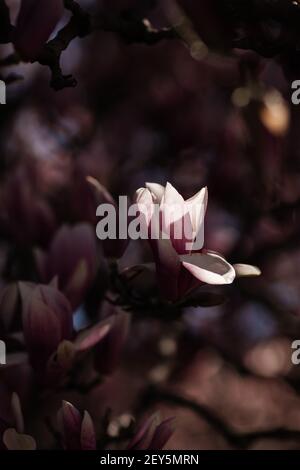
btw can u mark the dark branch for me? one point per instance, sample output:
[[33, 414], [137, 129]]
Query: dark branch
[[81, 24], [236, 440]]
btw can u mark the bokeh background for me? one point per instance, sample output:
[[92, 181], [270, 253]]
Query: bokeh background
[[189, 115]]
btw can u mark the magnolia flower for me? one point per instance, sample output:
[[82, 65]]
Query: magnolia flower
[[35, 23], [177, 240]]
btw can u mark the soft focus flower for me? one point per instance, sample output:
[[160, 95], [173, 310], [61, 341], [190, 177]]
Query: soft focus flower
[[211, 26], [108, 351], [78, 432], [177, 243], [72, 257], [35, 23], [151, 435], [14, 440], [3, 427], [9, 300], [47, 321]]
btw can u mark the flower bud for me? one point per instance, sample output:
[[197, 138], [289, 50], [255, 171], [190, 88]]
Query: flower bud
[[78, 431], [108, 352], [151, 435], [72, 258], [36, 21], [47, 321]]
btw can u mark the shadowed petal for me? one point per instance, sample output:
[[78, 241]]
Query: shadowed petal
[[168, 268], [15, 441], [87, 435], [162, 434]]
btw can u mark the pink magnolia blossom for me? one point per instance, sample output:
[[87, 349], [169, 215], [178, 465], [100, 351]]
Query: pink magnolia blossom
[[181, 262], [72, 257], [36, 21]]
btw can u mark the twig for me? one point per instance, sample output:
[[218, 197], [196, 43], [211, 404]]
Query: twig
[[82, 24]]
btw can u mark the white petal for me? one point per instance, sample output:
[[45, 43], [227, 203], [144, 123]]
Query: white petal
[[200, 197], [209, 268], [157, 191], [246, 270], [197, 206], [144, 202], [176, 222], [172, 196], [140, 194]]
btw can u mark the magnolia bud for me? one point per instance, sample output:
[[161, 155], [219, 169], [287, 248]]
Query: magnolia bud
[[36, 21]]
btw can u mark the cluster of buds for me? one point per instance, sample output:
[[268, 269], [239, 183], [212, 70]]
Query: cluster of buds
[[78, 431]]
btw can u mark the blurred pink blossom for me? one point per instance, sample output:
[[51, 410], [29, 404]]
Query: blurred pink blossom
[[47, 321], [72, 257], [35, 23]]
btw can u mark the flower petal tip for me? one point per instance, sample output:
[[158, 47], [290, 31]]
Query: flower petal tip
[[246, 270]]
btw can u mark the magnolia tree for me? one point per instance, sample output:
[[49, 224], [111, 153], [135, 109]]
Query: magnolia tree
[[127, 326]]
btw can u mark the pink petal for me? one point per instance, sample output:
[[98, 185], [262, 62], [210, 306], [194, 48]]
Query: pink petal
[[197, 206], [144, 202], [87, 435], [162, 434], [89, 338], [36, 21], [176, 222], [70, 419]]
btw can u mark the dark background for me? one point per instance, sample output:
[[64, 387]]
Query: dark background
[[192, 115]]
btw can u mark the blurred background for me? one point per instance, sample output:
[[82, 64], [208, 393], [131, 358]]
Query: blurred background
[[182, 112]]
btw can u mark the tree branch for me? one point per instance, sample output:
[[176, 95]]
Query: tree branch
[[81, 24]]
